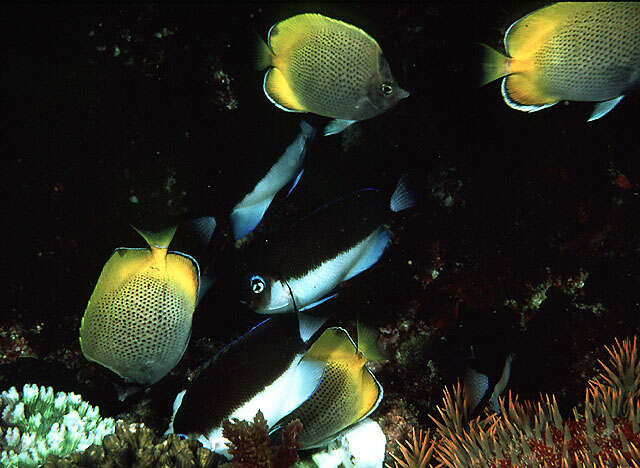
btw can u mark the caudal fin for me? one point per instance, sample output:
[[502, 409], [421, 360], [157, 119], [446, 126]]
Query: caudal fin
[[402, 197], [493, 63], [262, 54]]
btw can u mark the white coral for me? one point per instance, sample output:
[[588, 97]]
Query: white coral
[[38, 423]]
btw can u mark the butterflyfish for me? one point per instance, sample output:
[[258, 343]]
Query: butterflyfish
[[299, 267], [138, 319], [247, 213], [573, 51], [481, 388], [262, 370], [347, 393], [329, 68]]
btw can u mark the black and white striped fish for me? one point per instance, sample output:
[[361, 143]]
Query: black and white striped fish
[[301, 266], [262, 370]]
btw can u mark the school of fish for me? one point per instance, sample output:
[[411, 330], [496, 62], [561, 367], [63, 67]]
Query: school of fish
[[293, 365]]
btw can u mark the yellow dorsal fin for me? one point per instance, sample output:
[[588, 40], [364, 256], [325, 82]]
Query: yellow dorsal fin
[[123, 264], [368, 343], [184, 272], [334, 344], [287, 33], [525, 36]]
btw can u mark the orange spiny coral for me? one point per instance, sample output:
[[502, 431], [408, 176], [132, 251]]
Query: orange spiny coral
[[527, 434], [416, 452], [532, 435]]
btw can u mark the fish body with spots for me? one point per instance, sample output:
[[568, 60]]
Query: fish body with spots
[[573, 51], [327, 67]]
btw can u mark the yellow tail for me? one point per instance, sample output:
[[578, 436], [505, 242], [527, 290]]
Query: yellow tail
[[263, 55], [368, 343], [494, 65]]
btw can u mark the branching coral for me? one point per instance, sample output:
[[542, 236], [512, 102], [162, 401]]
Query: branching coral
[[529, 434], [249, 444], [135, 445], [36, 423]]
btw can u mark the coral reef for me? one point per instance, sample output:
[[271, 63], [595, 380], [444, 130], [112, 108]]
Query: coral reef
[[36, 423], [360, 446], [137, 445], [606, 433], [416, 452], [249, 444]]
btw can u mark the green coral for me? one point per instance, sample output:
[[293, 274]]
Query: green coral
[[36, 423]]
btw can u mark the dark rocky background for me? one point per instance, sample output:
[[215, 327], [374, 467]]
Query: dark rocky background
[[525, 239]]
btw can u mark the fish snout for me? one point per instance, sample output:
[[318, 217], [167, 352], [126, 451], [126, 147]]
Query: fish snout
[[403, 93]]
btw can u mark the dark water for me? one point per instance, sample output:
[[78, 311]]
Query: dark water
[[98, 111]]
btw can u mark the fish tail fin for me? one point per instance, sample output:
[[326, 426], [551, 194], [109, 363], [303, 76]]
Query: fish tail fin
[[158, 239], [379, 240], [494, 64], [368, 343], [403, 197], [263, 55]]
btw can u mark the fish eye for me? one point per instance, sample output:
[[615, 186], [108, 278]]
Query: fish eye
[[257, 284], [386, 89]]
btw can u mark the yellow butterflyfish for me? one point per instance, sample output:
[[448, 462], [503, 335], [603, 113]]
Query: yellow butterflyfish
[[573, 51]]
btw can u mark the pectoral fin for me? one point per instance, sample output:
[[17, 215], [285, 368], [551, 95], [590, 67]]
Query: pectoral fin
[[336, 126], [377, 245], [603, 108]]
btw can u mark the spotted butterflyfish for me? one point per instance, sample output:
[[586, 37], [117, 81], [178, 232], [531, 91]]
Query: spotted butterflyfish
[[572, 51], [137, 322], [261, 370], [299, 266], [347, 393], [481, 388], [329, 68]]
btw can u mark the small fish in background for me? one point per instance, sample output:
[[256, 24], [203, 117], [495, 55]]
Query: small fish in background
[[329, 68], [301, 266], [246, 215], [262, 370], [573, 51], [480, 389], [347, 394], [138, 319]]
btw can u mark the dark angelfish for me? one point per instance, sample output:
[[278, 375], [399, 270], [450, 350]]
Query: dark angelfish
[[262, 370], [307, 261]]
